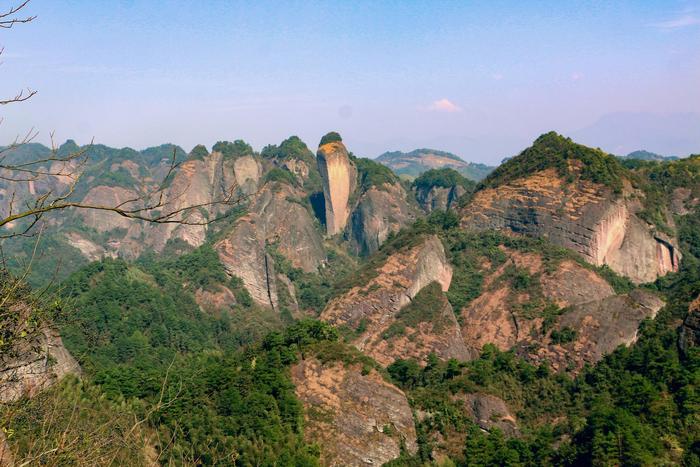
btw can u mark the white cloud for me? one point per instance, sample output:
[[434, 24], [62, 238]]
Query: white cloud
[[678, 23], [575, 76], [444, 105], [497, 76]]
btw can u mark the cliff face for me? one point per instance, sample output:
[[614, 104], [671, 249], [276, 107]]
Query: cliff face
[[583, 216], [599, 328], [35, 365], [339, 178], [379, 212], [439, 198], [276, 217], [374, 310], [357, 419], [196, 182], [585, 321]]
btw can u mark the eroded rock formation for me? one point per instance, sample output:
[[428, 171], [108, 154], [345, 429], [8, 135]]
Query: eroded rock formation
[[588, 319], [373, 310], [277, 219], [439, 198], [379, 212], [489, 411], [357, 419], [33, 365], [583, 216], [339, 180]]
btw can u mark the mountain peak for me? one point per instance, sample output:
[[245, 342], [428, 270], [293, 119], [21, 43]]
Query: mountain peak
[[331, 137], [552, 150]]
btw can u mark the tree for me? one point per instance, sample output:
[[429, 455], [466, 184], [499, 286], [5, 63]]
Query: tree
[[25, 314]]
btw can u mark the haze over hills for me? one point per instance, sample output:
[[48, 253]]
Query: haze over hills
[[414, 163], [673, 134], [643, 155]]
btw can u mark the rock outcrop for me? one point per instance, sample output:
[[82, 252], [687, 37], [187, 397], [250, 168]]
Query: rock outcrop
[[277, 218], [439, 198], [339, 178], [357, 419], [197, 182], [489, 411], [374, 310], [690, 330], [243, 254], [205, 182], [597, 329], [582, 216], [34, 365], [6, 457], [568, 316], [379, 212]]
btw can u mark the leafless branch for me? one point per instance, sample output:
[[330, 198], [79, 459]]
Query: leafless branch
[[7, 20]]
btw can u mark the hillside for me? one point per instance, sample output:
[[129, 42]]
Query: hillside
[[412, 164], [339, 316]]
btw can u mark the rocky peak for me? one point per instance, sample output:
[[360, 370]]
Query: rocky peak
[[339, 178], [578, 198], [293, 155]]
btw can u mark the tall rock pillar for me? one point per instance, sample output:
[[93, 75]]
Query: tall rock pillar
[[339, 180]]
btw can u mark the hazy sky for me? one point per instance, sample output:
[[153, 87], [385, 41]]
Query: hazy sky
[[481, 79]]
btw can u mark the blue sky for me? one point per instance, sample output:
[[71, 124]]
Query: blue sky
[[481, 79]]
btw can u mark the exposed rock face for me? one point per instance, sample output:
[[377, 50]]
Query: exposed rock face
[[339, 178], [296, 166], [215, 300], [195, 183], [584, 217], [373, 308], [357, 419], [6, 458], [34, 366], [247, 171], [379, 212], [489, 412], [601, 326], [89, 249], [104, 221], [204, 182], [439, 198], [274, 218], [243, 254], [594, 319], [690, 330]]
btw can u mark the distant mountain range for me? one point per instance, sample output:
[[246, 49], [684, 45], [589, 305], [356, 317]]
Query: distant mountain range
[[412, 164], [643, 155]]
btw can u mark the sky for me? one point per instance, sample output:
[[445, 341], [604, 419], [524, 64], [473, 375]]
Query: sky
[[480, 79]]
